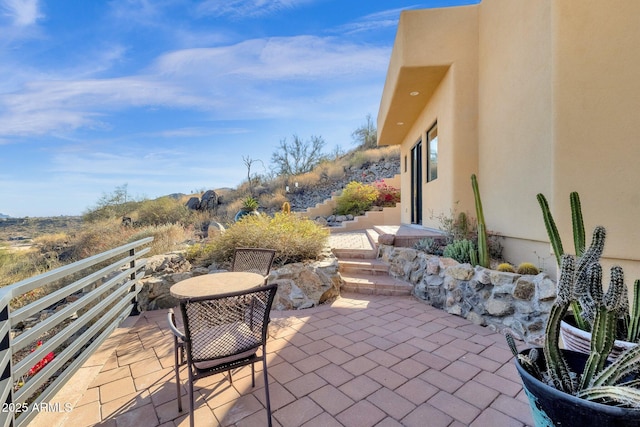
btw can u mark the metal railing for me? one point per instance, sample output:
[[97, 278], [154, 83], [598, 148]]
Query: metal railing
[[82, 304]]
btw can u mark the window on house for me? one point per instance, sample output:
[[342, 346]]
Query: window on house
[[432, 144]]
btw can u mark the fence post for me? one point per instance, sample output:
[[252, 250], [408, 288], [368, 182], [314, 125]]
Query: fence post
[[134, 301], [7, 417]]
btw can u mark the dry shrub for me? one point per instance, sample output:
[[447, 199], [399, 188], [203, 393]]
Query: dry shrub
[[359, 158], [227, 211], [334, 170], [294, 238], [306, 180], [100, 236], [388, 152], [19, 265], [166, 238], [273, 201], [52, 242]]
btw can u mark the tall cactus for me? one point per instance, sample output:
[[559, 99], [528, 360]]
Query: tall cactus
[[603, 331], [605, 384], [550, 225], [483, 246], [577, 223], [556, 242], [557, 366], [633, 330]]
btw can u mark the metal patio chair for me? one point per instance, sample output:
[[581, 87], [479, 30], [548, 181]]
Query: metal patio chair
[[221, 333], [253, 260]]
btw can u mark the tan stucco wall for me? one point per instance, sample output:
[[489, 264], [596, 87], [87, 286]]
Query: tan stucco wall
[[597, 126], [453, 103], [515, 101], [536, 96]]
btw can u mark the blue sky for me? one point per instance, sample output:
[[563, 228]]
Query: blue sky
[[167, 96]]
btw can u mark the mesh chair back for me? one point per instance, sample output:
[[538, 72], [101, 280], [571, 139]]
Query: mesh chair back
[[253, 260], [227, 326]]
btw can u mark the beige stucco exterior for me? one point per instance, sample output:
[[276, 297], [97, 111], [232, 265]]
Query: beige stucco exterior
[[534, 96]]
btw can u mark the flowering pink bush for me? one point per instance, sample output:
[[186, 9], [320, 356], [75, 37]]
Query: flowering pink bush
[[357, 197], [387, 195]]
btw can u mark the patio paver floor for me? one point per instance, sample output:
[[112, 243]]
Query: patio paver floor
[[364, 360]]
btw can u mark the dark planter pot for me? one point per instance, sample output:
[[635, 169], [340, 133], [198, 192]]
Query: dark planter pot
[[576, 339], [551, 407], [244, 212]]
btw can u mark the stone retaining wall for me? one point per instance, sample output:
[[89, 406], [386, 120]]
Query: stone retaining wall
[[501, 301], [301, 285]]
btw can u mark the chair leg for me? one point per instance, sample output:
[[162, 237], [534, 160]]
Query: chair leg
[[191, 400], [253, 374], [266, 389], [230, 377], [177, 370]]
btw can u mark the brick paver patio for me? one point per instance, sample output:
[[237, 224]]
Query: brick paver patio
[[364, 360]]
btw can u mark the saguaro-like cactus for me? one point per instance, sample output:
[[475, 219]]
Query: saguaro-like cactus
[[606, 384], [556, 242], [608, 308], [483, 246], [550, 225], [557, 366]]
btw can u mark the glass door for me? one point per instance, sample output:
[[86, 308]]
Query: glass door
[[416, 183]]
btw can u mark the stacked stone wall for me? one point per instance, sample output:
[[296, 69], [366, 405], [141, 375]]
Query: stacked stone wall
[[502, 301]]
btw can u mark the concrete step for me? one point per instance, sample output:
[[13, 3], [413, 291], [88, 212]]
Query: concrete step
[[341, 253], [375, 285], [361, 244], [374, 267]]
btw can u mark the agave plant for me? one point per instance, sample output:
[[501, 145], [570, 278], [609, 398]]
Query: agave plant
[[581, 280]]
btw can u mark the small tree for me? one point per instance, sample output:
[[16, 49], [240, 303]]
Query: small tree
[[111, 205], [298, 156], [248, 162], [366, 136]]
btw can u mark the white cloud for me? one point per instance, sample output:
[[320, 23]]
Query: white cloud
[[235, 81], [276, 58], [247, 8], [374, 21], [21, 13]]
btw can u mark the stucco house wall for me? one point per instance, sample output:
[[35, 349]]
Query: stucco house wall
[[535, 96]]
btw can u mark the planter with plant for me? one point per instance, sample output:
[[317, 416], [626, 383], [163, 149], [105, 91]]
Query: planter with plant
[[576, 326], [249, 207], [570, 388]]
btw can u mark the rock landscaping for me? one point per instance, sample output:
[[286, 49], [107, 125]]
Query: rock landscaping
[[502, 301], [302, 285]]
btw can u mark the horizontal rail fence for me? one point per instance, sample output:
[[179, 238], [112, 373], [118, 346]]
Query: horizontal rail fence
[[52, 323]]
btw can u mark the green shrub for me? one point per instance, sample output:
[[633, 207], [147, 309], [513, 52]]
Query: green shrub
[[356, 198], [294, 238], [430, 246], [462, 251]]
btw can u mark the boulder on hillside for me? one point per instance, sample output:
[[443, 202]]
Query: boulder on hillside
[[209, 202]]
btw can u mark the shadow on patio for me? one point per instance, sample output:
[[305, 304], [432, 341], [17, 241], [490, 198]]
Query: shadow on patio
[[364, 360]]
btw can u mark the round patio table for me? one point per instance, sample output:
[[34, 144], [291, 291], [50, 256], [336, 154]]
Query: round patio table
[[216, 284]]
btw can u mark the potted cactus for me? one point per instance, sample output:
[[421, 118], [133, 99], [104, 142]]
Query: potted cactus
[[571, 388], [575, 327], [249, 207]]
